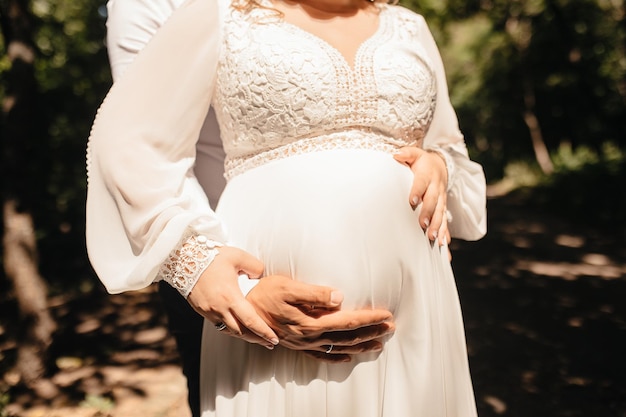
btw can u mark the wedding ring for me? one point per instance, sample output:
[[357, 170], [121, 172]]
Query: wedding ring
[[330, 348], [220, 326]]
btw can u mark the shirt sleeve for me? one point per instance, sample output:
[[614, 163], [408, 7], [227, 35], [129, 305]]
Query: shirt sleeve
[[466, 179], [142, 195], [130, 26]]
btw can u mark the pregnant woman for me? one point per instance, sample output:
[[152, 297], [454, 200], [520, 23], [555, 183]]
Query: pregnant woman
[[314, 98]]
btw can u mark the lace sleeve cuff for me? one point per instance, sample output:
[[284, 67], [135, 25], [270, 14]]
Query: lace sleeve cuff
[[187, 262]]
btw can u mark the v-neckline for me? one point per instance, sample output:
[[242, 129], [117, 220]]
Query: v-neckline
[[352, 67]]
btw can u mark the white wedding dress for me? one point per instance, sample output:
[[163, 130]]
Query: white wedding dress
[[314, 192]]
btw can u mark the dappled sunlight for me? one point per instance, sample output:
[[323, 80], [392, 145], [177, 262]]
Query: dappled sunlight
[[545, 319], [572, 271], [151, 336], [498, 406], [135, 357], [570, 241], [101, 352]]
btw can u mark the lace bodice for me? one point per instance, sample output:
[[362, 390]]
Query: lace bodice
[[282, 90]]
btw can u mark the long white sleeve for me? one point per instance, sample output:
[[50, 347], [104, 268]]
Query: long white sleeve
[[466, 179], [142, 194], [131, 24]]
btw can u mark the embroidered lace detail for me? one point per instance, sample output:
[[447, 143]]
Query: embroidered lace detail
[[187, 262], [273, 96], [338, 141]]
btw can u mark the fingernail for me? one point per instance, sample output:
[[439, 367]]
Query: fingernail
[[274, 341], [269, 347], [336, 298], [415, 201], [426, 222], [435, 234]]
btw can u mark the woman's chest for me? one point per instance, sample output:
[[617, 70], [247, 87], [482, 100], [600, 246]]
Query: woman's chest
[[277, 80]]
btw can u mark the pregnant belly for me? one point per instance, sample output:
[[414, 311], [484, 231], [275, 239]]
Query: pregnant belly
[[338, 218]]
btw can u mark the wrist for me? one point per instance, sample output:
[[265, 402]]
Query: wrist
[[448, 164], [188, 261]]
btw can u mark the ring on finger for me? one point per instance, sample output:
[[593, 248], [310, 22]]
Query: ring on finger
[[220, 326], [330, 348]]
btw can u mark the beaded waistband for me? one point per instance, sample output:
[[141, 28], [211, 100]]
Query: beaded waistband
[[335, 141]]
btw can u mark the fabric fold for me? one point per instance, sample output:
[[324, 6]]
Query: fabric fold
[[142, 194]]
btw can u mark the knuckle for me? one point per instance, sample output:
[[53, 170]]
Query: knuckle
[[352, 323], [308, 326], [248, 322], [295, 331], [207, 307]]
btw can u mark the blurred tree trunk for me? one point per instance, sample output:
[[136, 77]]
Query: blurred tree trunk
[[542, 155], [521, 31], [19, 111]]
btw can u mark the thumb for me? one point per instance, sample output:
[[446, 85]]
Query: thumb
[[318, 296]]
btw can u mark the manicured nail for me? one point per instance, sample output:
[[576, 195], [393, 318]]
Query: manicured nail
[[415, 201], [435, 234], [269, 347], [274, 341], [336, 298], [426, 222]]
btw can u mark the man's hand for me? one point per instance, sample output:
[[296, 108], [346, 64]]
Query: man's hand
[[308, 317], [305, 317]]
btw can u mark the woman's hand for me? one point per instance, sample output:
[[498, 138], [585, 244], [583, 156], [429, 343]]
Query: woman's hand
[[429, 188], [307, 317], [218, 298]]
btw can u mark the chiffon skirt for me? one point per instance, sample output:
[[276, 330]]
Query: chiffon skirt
[[341, 218]]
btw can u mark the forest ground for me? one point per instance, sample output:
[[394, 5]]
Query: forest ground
[[543, 302]]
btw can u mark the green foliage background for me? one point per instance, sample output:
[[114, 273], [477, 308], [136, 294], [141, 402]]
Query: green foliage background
[[571, 54], [73, 76]]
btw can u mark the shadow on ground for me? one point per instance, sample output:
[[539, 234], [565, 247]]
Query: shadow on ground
[[543, 300], [102, 347], [544, 309]]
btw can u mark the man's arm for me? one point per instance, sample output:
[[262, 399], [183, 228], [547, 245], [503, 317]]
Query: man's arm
[[130, 26]]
